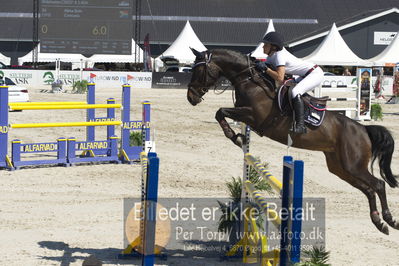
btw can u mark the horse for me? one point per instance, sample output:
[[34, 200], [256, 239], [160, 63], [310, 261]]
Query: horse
[[349, 147]]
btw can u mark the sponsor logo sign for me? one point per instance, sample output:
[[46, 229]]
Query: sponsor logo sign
[[383, 37]]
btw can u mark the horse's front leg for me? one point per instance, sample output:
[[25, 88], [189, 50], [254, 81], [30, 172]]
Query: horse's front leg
[[241, 114]]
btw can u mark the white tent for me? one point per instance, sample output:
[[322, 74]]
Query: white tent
[[51, 57], [4, 59], [334, 51], [113, 58], [390, 55], [180, 48], [258, 52]]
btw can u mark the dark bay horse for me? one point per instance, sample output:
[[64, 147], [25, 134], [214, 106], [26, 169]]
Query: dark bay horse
[[348, 146]]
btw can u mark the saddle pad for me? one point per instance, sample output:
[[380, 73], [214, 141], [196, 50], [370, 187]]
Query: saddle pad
[[314, 115]]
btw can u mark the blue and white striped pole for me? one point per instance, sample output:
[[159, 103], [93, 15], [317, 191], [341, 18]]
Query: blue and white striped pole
[[150, 210]]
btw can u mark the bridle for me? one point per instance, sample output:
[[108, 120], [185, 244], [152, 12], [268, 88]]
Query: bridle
[[204, 89]]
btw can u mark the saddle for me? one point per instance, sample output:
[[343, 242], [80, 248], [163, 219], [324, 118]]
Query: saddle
[[315, 108]]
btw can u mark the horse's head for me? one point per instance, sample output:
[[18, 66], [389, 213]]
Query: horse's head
[[203, 76]]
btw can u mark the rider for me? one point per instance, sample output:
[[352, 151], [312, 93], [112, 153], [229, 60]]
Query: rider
[[309, 75]]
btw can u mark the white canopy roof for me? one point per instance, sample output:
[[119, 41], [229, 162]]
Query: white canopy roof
[[180, 48], [4, 59], [51, 57], [389, 56], [258, 52], [334, 51], [113, 58]]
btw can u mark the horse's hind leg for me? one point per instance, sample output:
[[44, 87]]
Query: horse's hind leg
[[379, 187], [335, 166], [242, 114], [386, 213], [362, 173]]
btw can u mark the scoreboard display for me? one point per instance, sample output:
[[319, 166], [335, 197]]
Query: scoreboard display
[[85, 26]]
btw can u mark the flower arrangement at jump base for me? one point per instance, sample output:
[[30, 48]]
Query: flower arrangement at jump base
[[80, 86], [376, 112], [317, 256]]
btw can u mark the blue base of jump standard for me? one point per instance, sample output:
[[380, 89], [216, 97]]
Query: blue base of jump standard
[[148, 226], [60, 147], [291, 223], [93, 149], [128, 153], [5, 161]]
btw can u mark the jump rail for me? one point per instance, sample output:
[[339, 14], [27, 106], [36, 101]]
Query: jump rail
[[64, 106], [291, 200], [44, 103], [273, 181], [290, 227], [69, 124]]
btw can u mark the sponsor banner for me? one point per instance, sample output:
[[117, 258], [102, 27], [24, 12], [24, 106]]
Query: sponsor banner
[[39, 147], [108, 79], [42, 79], [170, 80], [383, 37], [4, 129], [135, 125], [68, 78], [93, 145], [23, 78]]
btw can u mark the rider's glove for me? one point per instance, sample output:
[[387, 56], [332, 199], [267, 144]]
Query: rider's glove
[[261, 66]]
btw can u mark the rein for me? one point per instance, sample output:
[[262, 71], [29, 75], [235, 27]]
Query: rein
[[252, 76]]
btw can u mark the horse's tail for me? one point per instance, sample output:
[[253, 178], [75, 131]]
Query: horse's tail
[[382, 147]]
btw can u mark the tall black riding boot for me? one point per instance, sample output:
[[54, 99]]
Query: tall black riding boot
[[299, 115]]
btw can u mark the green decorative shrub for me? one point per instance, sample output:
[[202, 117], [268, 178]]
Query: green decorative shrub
[[80, 86], [232, 209], [318, 256], [136, 138], [376, 112]]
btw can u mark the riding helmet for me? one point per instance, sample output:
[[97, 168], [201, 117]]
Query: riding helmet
[[275, 39]]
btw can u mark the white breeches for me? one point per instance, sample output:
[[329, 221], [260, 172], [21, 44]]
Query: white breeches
[[311, 81]]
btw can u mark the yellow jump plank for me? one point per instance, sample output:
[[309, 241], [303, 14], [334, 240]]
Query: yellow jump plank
[[67, 124], [272, 180], [262, 203], [78, 106], [45, 103]]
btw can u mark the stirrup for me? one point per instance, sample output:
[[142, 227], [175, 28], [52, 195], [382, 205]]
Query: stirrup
[[300, 130]]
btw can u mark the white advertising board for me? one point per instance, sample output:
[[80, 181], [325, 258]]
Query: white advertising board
[[383, 37], [42, 79]]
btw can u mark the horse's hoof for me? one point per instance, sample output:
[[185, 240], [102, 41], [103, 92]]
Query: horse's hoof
[[384, 229], [239, 140], [390, 220], [395, 224]]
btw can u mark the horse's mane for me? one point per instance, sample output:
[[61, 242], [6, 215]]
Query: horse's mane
[[242, 59], [237, 56]]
